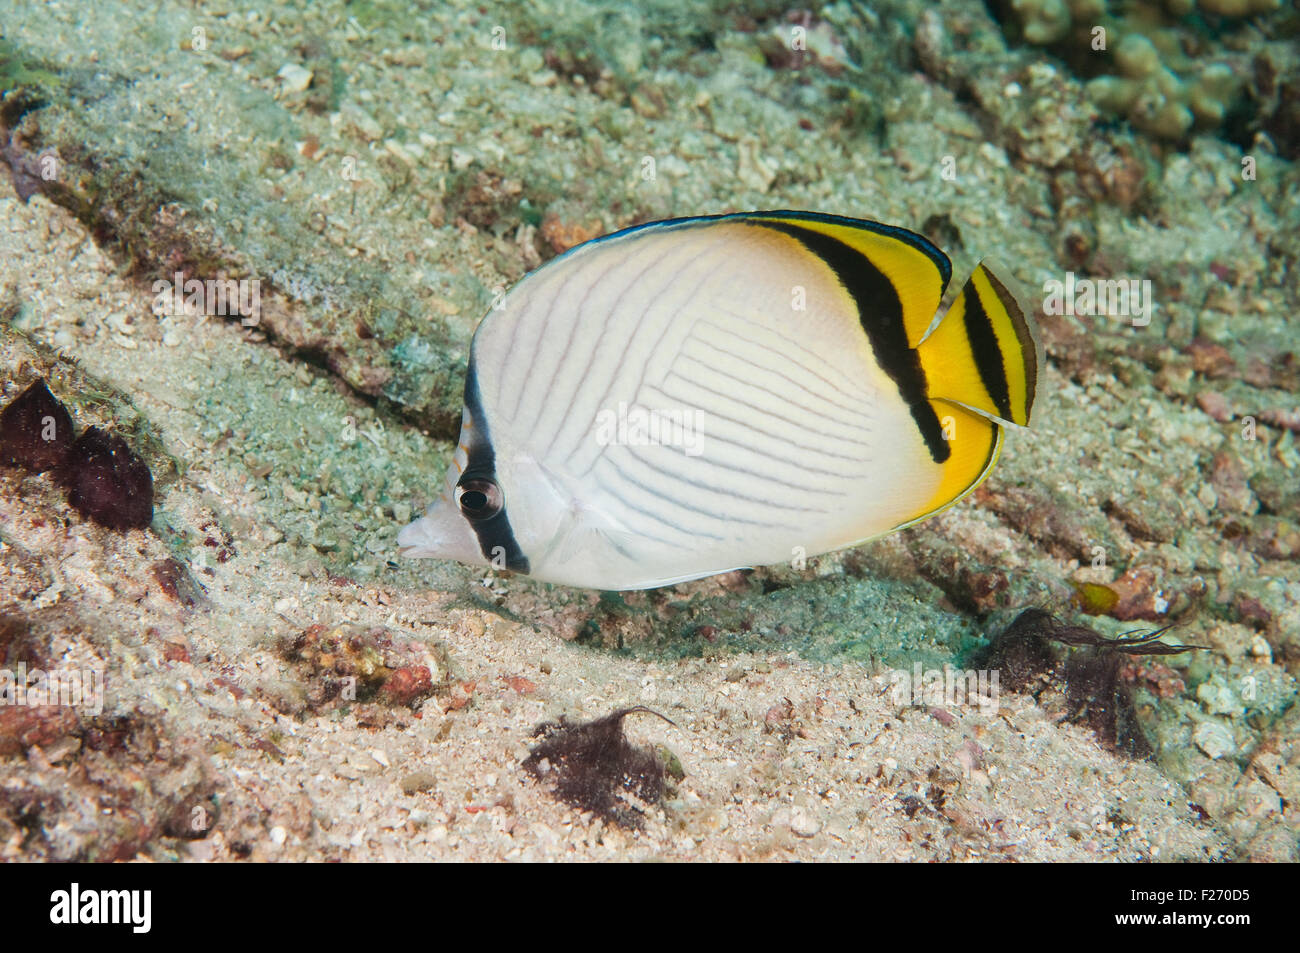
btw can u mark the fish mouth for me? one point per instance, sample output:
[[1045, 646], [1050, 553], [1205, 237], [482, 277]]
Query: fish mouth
[[441, 533], [411, 543]]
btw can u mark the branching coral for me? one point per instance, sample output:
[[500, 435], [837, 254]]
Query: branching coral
[[1164, 73], [1049, 21], [1155, 99]]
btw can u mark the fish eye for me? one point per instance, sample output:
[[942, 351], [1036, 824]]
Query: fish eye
[[479, 499]]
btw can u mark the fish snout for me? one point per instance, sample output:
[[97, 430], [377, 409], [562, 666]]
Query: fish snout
[[441, 533]]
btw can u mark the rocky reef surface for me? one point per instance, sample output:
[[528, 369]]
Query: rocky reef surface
[[277, 684]]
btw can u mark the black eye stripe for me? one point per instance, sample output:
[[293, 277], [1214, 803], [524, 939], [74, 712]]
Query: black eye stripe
[[494, 534]]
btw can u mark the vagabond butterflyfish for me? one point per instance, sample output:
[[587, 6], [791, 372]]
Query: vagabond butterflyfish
[[691, 396]]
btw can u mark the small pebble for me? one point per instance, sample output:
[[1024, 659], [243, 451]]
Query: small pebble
[[1214, 740], [1214, 405], [943, 717], [970, 756], [418, 781], [803, 824], [296, 78]]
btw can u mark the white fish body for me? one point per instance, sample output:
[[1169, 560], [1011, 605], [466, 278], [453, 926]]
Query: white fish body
[[689, 397]]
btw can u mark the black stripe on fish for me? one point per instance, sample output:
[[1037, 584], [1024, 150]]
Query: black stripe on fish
[[881, 314], [495, 533], [984, 347], [1028, 348]]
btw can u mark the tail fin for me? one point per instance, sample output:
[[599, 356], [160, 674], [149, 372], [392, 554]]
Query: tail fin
[[983, 355]]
